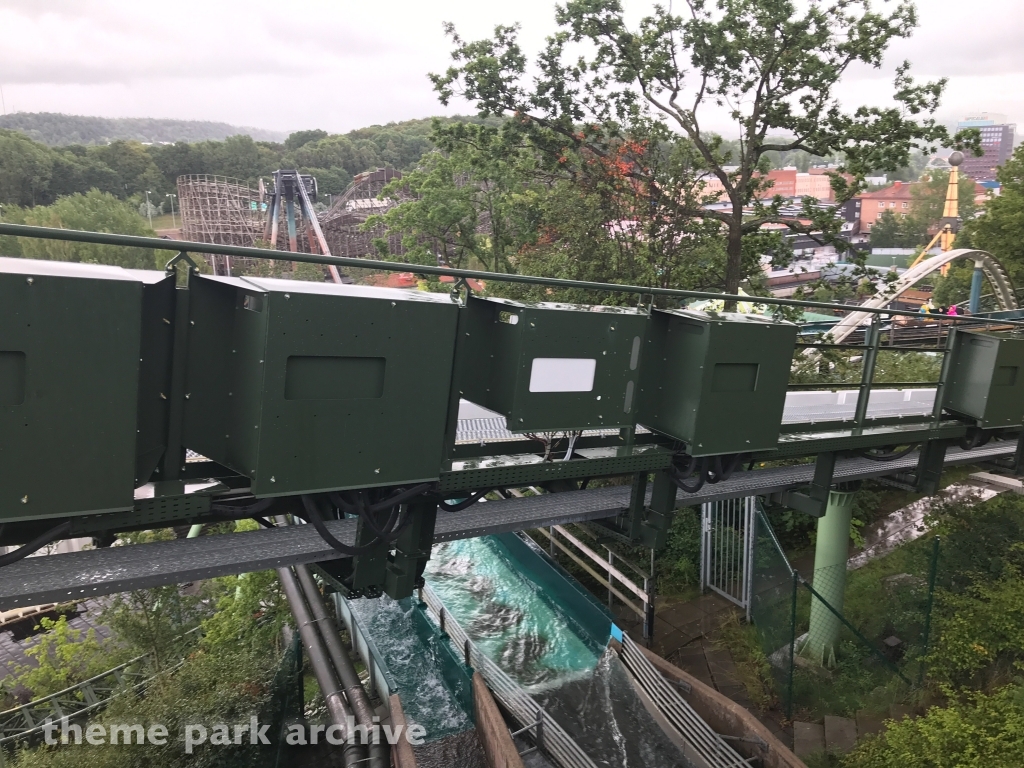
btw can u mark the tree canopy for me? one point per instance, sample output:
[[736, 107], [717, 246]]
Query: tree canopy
[[601, 93]]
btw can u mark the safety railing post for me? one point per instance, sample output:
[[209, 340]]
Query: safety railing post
[[868, 375], [792, 647]]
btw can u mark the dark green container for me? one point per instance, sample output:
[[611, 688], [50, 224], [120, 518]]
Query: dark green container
[[308, 387], [82, 419], [551, 367], [986, 379], [716, 381]]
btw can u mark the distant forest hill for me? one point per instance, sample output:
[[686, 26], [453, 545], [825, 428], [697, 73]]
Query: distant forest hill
[[32, 173], [57, 130]]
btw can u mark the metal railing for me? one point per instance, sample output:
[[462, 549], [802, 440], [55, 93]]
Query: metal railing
[[549, 735], [701, 740], [184, 247], [80, 700]]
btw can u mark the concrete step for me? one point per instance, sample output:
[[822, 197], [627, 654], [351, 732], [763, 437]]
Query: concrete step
[[840, 734], [808, 739]]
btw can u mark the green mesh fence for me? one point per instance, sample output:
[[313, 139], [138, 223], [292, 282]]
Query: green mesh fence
[[773, 602], [859, 636]]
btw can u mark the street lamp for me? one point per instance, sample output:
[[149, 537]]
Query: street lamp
[[149, 210], [172, 196]]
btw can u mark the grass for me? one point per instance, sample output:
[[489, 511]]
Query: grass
[[164, 221], [752, 666]]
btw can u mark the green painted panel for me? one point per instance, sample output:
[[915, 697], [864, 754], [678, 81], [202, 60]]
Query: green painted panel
[[716, 381], [549, 367], [70, 339], [985, 381], [325, 387]]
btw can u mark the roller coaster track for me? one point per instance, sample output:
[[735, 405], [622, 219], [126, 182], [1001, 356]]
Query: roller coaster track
[[78, 702], [994, 272]]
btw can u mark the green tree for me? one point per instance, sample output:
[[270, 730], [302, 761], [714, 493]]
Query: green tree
[[773, 65], [300, 138], [133, 165], [893, 232], [96, 212], [25, 170], [64, 656], [1000, 227]]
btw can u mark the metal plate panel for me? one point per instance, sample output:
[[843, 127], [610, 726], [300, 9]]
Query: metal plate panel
[[67, 428], [716, 381], [502, 342]]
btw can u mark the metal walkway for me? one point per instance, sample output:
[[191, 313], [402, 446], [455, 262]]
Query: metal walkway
[[77, 575], [479, 425]]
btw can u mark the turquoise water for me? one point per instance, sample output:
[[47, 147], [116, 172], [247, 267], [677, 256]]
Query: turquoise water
[[426, 698], [507, 616]]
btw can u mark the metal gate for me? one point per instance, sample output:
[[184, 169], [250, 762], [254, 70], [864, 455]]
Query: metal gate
[[727, 548]]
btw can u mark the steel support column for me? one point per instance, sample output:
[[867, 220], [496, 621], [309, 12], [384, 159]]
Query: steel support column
[[976, 281], [830, 556]]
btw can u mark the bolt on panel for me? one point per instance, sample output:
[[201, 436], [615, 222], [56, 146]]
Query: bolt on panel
[[986, 378], [80, 409], [307, 387], [716, 381], [551, 367]]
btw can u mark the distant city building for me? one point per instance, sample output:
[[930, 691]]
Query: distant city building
[[896, 198], [997, 137]]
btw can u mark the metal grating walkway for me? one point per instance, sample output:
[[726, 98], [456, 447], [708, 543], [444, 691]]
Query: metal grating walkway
[[77, 575]]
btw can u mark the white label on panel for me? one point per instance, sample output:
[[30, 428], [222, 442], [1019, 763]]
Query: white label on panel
[[562, 374]]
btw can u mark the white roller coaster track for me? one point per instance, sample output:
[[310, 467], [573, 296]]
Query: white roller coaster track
[[996, 275]]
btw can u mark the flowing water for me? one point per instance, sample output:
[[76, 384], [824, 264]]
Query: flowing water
[[426, 699], [585, 688], [507, 616]]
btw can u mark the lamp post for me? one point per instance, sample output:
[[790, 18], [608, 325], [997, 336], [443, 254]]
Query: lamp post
[[149, 210], [172, 196]]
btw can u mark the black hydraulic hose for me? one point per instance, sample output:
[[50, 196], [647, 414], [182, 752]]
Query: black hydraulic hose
[[891, 456], [358, 700], [723, 471], [679, 479], [363, 510], [353, 755], [398, 497], [465, 503], [314, 517], [685, 472], [47, 537]]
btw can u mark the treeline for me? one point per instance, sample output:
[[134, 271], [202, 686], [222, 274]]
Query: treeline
[[33, 174], [58, 130]]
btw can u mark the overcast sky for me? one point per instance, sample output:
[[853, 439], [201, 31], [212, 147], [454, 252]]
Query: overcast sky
[[339, 65]]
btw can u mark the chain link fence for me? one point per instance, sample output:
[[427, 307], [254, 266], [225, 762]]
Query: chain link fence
[[863, 654]]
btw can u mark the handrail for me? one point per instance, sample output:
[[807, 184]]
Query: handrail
[[86, 686], [554, 740], [136, 241]]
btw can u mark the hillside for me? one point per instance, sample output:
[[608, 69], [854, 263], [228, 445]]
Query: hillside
[[58, 130]]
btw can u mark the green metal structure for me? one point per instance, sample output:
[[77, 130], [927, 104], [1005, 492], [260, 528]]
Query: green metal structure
[[328, 401], [832, 549], [986, 381], [716, 382], [549, 367]]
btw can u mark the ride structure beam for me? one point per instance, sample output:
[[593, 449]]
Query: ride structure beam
[[90, 573]]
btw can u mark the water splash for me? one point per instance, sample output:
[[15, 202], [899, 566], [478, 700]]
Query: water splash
[[426, 699], [506, 615]]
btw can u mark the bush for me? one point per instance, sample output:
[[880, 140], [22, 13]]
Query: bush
[[977, 731]]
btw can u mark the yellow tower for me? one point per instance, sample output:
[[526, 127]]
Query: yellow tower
[[951, 210]]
